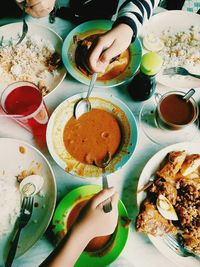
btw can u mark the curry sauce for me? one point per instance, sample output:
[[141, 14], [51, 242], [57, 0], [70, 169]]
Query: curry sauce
[[92, 136]]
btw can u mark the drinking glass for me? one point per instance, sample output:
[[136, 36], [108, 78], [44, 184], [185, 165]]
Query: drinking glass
[[24, 102]]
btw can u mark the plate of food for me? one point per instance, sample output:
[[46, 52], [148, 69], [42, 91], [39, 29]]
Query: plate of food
[[20, 160], [36, 59], [175, 35], [101, 251], [77, 144], [169, 204], [77, 43]]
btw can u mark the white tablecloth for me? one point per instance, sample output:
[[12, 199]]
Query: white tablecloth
[[139, 251]]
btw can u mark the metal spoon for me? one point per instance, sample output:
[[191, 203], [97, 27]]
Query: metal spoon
[[187, 96], [107, 207], [31, 185], [83, 105]]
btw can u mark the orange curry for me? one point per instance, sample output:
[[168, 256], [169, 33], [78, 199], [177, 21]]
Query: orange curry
[[92, 136]]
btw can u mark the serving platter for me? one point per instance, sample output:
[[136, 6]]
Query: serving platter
[[150, 169]]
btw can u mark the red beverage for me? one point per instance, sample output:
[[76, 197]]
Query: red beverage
[[25, 99]]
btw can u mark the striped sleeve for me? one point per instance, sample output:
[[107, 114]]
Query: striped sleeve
[[135, 12]]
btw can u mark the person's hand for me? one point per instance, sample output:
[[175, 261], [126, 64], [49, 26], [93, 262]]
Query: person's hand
[[108, 46], [38, 8], [93, 220]]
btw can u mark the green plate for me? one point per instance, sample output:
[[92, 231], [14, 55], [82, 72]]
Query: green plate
[[92, 27], [121, 234]]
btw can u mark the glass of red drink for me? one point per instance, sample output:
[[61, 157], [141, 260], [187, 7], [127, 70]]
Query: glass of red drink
[[25, 99]]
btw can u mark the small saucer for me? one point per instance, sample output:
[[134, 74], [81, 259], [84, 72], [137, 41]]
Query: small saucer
[[158, 132]]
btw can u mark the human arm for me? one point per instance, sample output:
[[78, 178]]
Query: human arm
[[130, 18], [38, 8], [90, 224]]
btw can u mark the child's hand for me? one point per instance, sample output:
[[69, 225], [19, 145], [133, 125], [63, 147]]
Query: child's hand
[[108, 46], [38, 8], [93, 220]]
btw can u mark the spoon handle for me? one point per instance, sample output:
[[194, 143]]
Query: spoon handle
[[92, 82], [107, 207], [187, 96]]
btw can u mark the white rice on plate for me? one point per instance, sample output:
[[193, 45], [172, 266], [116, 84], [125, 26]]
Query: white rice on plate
[[28, 61], [9, 202], [182, 48]]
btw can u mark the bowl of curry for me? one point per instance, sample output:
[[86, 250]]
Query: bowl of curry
[[100, 251], [76, 47], [77, 144]]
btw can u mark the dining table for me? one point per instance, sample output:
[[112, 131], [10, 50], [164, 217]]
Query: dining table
[[139, 251]]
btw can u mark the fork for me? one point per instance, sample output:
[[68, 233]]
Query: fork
[[25, 25], [25, 215], [177, 246], [179, 71]]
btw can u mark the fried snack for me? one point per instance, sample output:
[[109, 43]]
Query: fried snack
[[188, 210], [161, 186], [179, 181], [175, 161], [150, 221], [191, 164]]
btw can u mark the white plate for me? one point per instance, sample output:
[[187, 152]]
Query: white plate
[[13, 30], [12, 161], [177, 20], [150, 168], [64, 112]]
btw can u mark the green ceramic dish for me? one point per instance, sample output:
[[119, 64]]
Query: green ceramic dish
[[92, 27], [120, 237]]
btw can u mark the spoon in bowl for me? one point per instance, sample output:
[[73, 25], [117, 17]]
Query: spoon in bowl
[[190, 93], [107, 207], [83, 105]]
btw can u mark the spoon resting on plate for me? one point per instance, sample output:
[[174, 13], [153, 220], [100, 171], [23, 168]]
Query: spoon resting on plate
[[83, 105], [31, 185]]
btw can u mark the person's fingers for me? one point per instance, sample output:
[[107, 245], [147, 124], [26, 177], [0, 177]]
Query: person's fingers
[[41, 6], [113, 51], [32, 3], [41, 13], [19, 1], [115, 200], [95, 54], [34, 14], [102, 196]]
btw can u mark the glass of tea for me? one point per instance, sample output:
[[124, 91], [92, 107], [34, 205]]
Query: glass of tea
[[174, 111], [167, 119], [25, 99]]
